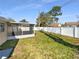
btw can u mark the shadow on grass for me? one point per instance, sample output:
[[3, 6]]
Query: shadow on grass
[[15, 43], [61, 41], [8, 45]]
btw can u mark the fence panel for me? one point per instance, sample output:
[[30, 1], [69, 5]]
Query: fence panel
[[56, 30], [77, 32], [68, 31]]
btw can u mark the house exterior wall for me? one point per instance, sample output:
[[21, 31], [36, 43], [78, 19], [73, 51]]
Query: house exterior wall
[[3, 35], [16, 31]]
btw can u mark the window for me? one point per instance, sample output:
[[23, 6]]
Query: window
[[1, 27]]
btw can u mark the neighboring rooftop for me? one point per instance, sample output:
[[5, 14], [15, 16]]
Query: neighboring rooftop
[[12, 21], [3, 19], [55, 25], [71, 24]]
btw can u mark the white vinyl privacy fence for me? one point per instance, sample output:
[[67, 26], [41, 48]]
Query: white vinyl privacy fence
[[68, 31]]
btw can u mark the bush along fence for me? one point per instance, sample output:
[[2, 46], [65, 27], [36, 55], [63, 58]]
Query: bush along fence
[[68, 31]]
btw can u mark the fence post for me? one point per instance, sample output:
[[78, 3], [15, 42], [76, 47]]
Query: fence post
[[60, 31], [74, 32]]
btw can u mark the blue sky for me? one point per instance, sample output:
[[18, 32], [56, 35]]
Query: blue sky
[[30, 9]]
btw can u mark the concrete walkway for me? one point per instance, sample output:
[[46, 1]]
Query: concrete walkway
[[4, 54]]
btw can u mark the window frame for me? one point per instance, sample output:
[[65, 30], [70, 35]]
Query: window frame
[[2, 27]]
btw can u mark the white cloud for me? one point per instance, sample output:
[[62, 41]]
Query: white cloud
[[48, 1], [69, 15], [32, 6], [22, 7]]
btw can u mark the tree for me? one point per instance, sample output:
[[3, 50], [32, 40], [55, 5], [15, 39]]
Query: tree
[[24, 20], [55, 11], [11, 20], [42, 19]]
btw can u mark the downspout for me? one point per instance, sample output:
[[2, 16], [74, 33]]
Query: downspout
[[7, 31]]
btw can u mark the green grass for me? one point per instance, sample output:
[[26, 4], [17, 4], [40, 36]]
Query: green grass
[[43, 46], [66, 38]]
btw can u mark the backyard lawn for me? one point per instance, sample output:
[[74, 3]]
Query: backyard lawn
[[44, 46]]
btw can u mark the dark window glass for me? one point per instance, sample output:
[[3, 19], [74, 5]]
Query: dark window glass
[[1, 27]]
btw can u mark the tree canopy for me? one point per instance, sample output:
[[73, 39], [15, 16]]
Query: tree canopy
[[24, 20], [11, 20], [42, 19], [50, 16], [55, 11]]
